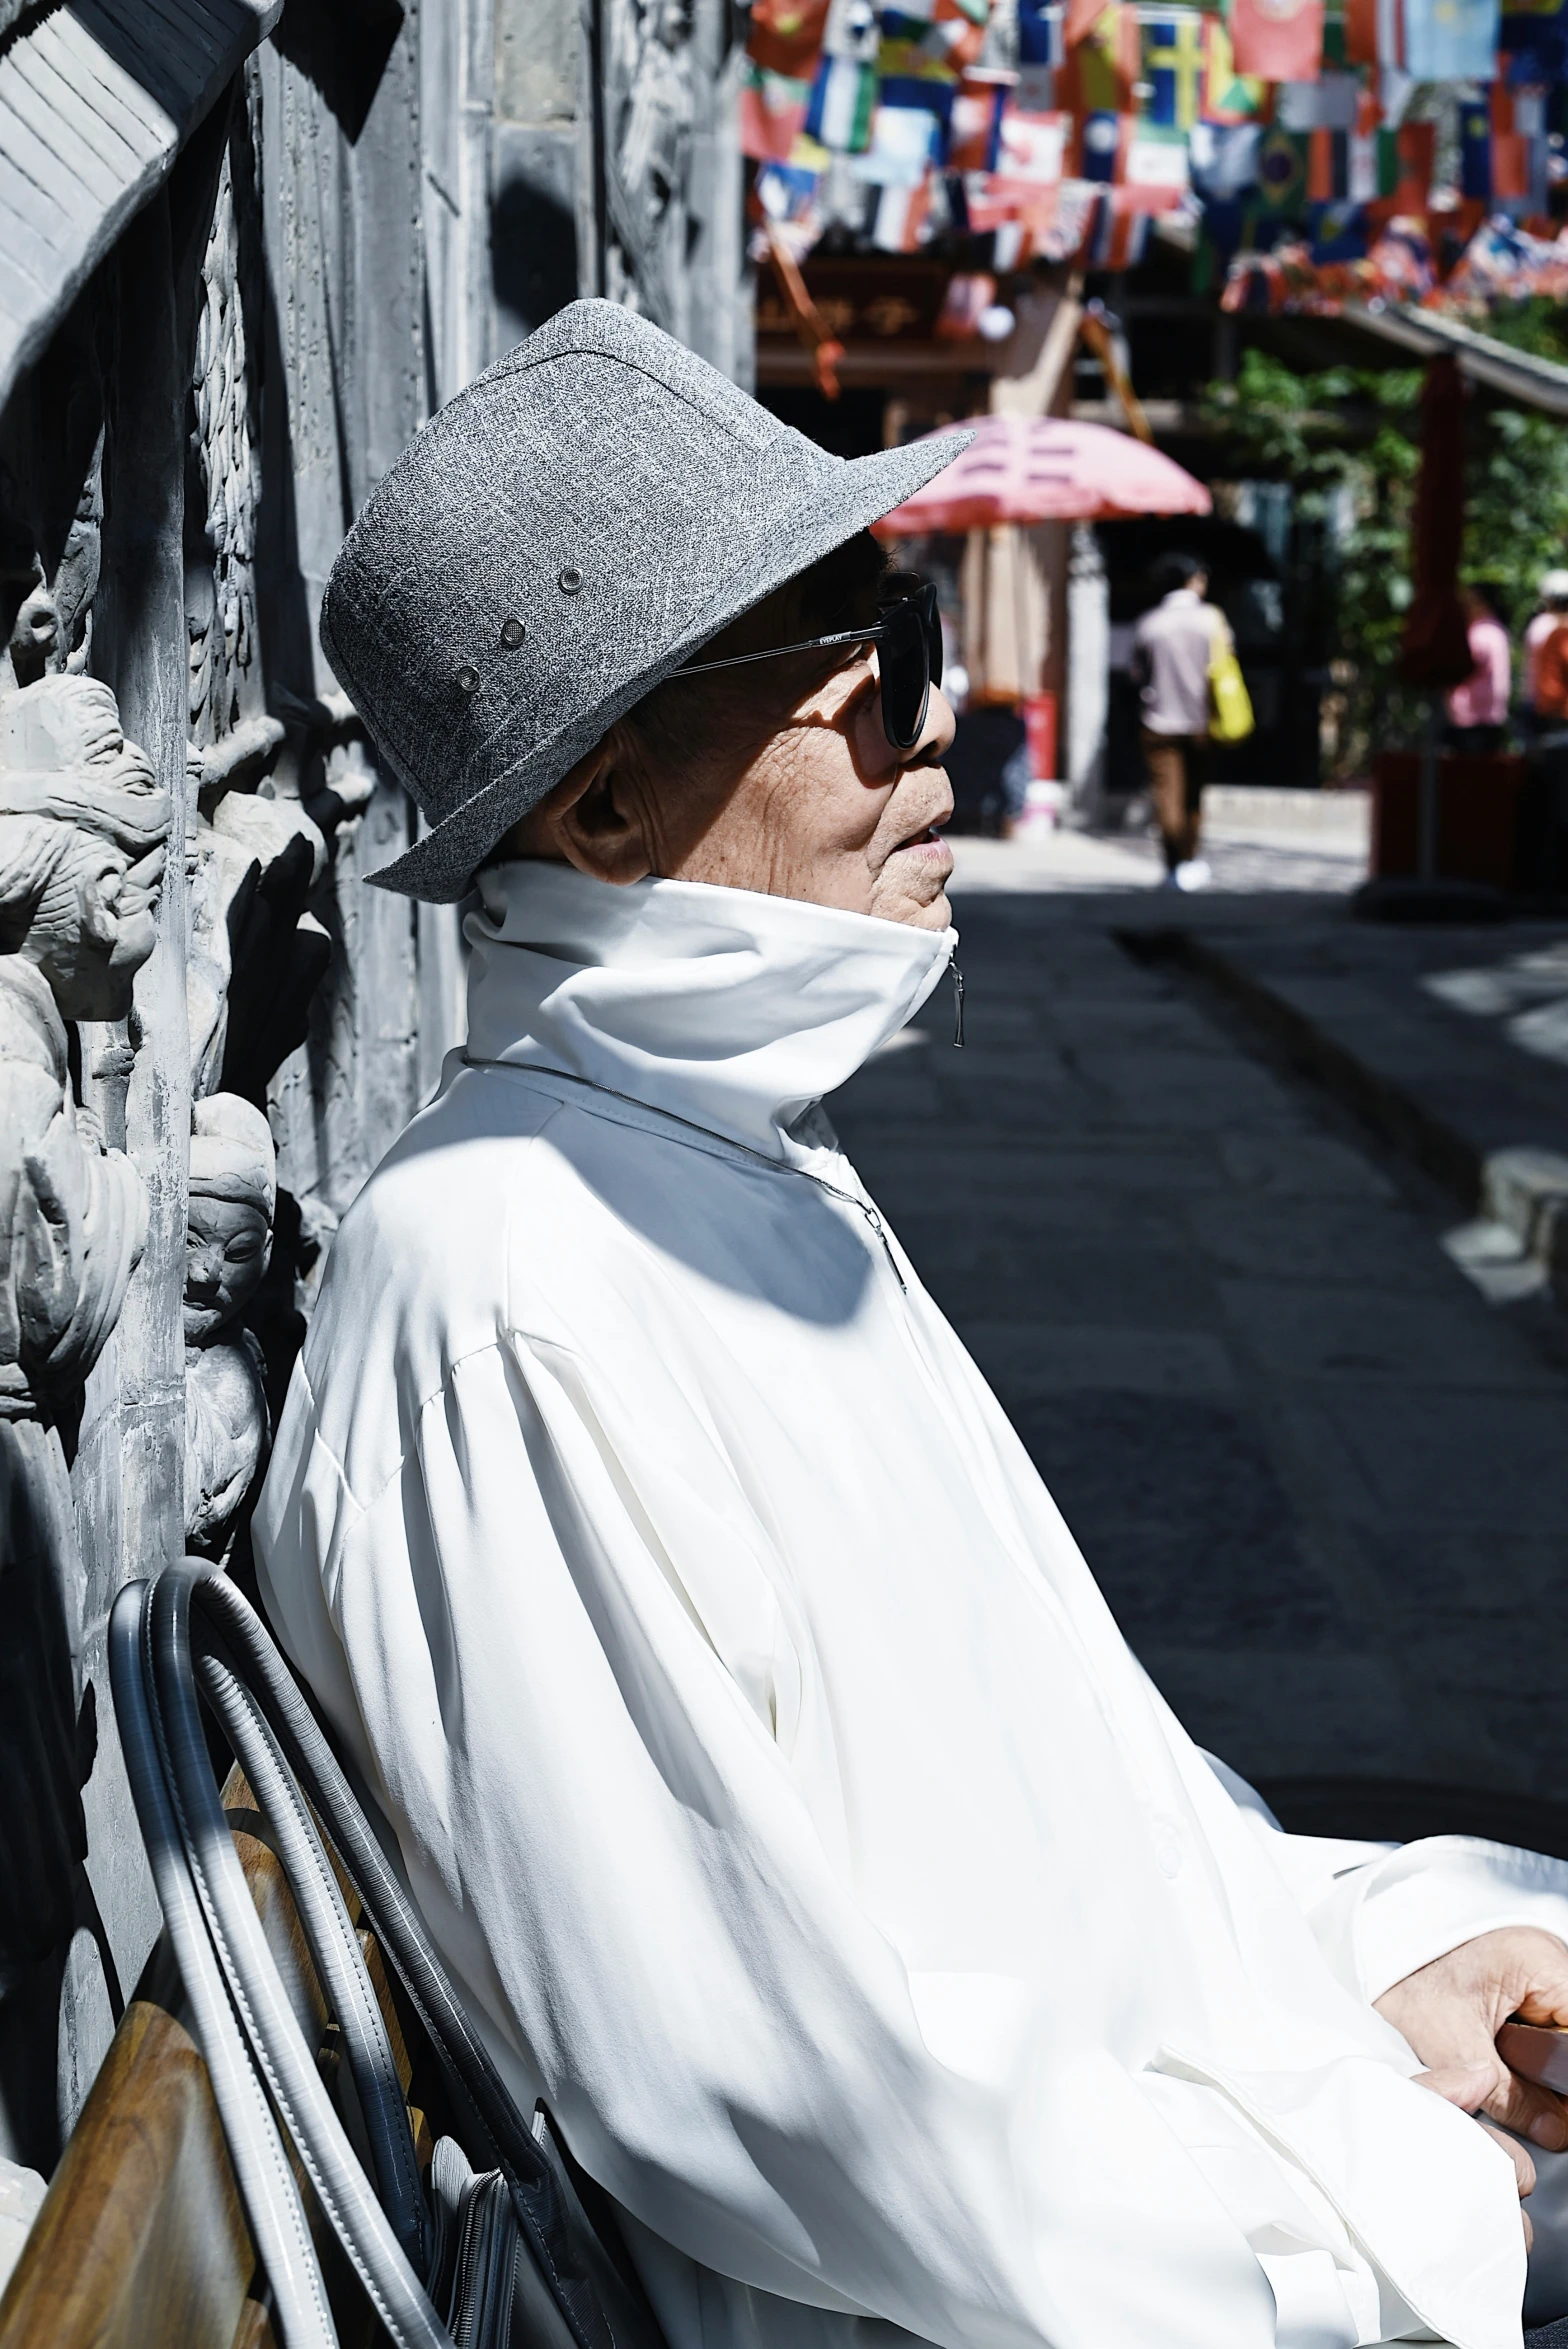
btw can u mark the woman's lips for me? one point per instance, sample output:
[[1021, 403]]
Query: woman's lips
[[928, 843]]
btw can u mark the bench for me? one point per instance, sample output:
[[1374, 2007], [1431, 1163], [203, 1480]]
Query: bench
[[141, 2237]]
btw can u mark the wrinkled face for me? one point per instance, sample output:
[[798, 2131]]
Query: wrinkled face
[[823, 810], [227, 1243], [94, 928], [829, 812]]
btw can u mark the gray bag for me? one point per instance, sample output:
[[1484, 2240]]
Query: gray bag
[[505, 2258]]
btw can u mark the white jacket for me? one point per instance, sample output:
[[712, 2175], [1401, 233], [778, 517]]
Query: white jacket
[[763, 1757]]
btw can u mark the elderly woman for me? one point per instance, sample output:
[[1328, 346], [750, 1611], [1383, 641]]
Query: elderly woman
[[759, 1749]]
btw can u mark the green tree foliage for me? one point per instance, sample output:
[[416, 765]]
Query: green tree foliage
[[1347, 441], [1539, 325]]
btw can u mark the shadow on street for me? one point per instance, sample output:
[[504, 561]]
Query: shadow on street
[[1321, 1476]]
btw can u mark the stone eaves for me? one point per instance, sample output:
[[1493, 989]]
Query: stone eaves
[[96, 99]]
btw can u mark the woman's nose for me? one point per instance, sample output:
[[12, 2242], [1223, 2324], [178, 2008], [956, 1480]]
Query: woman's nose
[[936, 735]]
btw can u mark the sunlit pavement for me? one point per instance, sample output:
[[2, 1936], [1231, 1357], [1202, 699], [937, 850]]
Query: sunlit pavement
[[1079, 860], [1321, 1476]]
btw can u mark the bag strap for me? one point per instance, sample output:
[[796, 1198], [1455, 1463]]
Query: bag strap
[[226, 1626], [276, 2046], [340, 1966], [273, 2209]]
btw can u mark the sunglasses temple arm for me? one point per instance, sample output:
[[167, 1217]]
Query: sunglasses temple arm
[[774, 651]]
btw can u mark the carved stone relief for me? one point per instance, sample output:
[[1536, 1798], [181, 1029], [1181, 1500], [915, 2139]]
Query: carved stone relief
[[221, 589], [255, 953], [82, 832], [668, 226], [52, 631], [233, 1194], [650, 107], [191, 413]]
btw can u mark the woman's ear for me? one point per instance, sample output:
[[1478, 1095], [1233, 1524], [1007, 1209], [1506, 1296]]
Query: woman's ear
[[605, 821], [597, 818]]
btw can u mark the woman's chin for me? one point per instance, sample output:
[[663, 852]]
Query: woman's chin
[[918, 898]]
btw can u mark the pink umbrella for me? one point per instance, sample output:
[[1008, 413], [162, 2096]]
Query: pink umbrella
[[1046, 469]]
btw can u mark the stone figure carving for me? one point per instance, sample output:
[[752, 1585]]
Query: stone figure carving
[[220, 590], [52, 631], [650, 107], [255, 954], [233, 1196], [82, 829]]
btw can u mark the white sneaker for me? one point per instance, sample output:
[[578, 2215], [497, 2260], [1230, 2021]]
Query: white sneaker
[[1195, 874]]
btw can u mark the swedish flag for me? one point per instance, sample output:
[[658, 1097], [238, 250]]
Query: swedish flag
[[1173, 69]]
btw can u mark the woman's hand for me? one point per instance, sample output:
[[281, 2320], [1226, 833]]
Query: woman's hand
[[1450, 2012]]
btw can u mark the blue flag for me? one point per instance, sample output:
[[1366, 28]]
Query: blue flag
[[1475, 147], [1040, 39], [1451, 40]]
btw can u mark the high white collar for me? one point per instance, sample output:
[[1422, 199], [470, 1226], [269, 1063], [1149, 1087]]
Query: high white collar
[[731, 1010]]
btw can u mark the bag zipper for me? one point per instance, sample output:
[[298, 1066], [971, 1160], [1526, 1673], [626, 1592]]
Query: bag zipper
[[482, 2293]]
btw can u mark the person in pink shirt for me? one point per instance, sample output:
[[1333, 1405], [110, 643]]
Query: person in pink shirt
[[1478, 708]]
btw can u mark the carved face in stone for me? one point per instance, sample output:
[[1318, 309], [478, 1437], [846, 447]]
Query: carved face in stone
[[227, 1244], [88, 920], [35, 633], [82, 830], [233, 1190], [52, 630]]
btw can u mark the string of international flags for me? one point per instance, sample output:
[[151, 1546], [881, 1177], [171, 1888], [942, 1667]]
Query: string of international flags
[[1064, 132]]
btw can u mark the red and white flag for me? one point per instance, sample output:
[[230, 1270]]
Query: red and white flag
[[1032, 148]]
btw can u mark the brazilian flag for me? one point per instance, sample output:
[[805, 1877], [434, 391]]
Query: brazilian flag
[[1282, 171]]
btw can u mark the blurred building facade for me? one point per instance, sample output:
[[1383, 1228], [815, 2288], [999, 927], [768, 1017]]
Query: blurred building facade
[[246, 248]]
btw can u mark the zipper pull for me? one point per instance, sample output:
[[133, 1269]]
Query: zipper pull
[[958, 1004], [880, 1228]]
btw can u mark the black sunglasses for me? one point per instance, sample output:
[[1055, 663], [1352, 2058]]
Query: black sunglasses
[[908, 638]]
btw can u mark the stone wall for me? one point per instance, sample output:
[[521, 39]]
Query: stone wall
[[238, 267]]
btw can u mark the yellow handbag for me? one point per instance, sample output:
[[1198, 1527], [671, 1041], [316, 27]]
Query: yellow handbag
[[1232, 719]]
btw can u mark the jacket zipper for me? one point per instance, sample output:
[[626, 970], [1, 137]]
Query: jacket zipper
[[724, 1142], [958, 1003]]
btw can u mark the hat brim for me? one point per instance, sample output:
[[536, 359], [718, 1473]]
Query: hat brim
[[439, 869]]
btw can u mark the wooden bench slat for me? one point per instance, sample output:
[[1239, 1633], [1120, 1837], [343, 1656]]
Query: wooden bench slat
[[141, 2238]]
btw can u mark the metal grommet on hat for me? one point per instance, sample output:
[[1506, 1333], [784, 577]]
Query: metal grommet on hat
[[467, 679], [570, 580], [512, 633]]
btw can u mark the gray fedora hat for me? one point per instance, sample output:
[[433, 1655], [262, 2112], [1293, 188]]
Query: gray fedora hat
[[551, 545]]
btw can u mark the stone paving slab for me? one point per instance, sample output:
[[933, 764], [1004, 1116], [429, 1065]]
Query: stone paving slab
[[1322, 1479], [1454, 1039]]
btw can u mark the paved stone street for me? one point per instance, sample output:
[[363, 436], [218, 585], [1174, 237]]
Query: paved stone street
[[1322, 1478]]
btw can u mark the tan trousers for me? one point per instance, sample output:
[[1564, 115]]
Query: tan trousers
[[1176, 764]]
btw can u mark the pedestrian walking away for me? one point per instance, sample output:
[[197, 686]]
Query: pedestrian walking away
[[1544, 700], [1478, 707], [1547, 652], [791, 1814], [1174, 647]]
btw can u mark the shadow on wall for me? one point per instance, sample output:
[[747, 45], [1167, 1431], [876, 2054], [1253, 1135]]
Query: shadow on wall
[[342, 51], [533, 256]]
